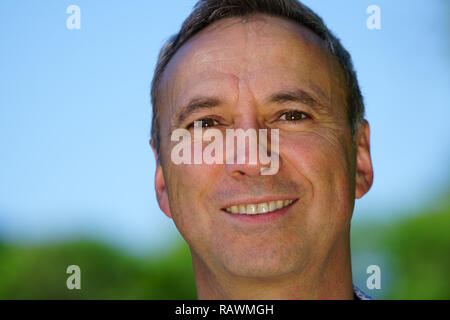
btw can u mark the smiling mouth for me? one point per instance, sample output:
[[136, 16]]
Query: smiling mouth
[[259, 208]]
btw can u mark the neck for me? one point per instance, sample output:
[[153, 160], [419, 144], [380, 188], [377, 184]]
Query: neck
[[329, 277]]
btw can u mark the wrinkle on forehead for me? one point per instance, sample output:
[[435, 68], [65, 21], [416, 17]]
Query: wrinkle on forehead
[[260, 30]]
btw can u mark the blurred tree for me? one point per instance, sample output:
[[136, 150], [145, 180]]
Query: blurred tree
[[420, 249], [40, 273]]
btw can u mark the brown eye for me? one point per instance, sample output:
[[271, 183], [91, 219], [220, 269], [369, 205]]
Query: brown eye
[[293, 115], [209, 123], [205, 123]]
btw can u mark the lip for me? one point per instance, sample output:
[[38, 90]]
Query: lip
[[246, 201], [259, 218]]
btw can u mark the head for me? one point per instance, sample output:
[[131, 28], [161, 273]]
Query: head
[[262, 65]]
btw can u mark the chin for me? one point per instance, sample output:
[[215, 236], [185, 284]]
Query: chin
[[264, 264]]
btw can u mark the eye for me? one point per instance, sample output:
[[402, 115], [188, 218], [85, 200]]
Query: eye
[[205, 123], [293, 115]]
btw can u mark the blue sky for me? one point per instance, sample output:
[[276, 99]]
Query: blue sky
[[75, 113]]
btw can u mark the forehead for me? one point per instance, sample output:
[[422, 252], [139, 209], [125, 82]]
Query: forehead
[[262, 50]]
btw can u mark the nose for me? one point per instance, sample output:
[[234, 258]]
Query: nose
[[243, 144]]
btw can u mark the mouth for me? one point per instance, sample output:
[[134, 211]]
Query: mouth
[[258, 208]]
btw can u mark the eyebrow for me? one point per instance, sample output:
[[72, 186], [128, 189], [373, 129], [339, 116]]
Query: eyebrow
[[195, 105], [297, 95], [201, 103]]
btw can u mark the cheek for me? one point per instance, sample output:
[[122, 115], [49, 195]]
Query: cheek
[[315, 156], [322, 161], [187, 187]]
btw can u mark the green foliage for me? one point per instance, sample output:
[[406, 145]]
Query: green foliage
[[420, 250], [40, 273], [413, 253]]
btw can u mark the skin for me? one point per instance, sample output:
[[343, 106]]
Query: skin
[[305, 253]]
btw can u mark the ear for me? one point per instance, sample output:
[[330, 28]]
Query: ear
[[160, 185], [364, 170]]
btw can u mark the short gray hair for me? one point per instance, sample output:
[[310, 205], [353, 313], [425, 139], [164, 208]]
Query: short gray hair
[[206, 12]]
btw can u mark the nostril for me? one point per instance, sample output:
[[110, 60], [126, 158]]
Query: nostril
[[239, 173]]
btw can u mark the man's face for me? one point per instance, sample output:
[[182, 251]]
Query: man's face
[[265, 73]]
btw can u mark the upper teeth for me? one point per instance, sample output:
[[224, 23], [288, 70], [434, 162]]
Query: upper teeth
[[259, 208]]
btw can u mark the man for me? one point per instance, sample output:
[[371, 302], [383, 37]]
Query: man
[[263, 65]]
